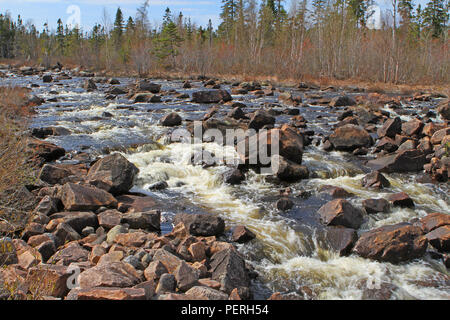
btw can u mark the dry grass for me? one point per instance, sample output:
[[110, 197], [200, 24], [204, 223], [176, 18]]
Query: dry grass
[[15, 172]]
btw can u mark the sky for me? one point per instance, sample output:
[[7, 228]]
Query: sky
[[90, 12]]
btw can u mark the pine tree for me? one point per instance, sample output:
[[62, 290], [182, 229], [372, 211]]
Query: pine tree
[[228, 16], [168, 40], [118, 26], [436, 17], [60, 38]]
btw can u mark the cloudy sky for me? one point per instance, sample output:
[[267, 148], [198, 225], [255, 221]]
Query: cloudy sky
[[90, 12]]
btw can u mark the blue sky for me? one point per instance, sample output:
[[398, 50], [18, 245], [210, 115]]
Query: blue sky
[[41, 11]]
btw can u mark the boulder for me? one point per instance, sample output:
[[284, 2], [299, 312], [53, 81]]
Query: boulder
[[336, 192], [340, 212], [89, 85], [49, 280], [150, 220], [259, 119], [147, 86], [186, 276], [375, 180], [284, 204], [133, 203], [412, 127], [394, 243], [444, 110], [403, 161], [155, 270], [390, 128], [228, 268], [72, 253], [401, 199], [289, 171], [350, 137], [47, 206], [115, 274], [341, 239], [440, 135], [47, 78], [77, 197], [201, 224], [169, 260], [342, 101], [242, 235], [146, 98], [77, 220], [211, 96], [166, 284], [45, 151], [440, 238], [373, 206], [233, 176], [109, 219], [171, 120], [237, 114], [114, 174], [434, 220]]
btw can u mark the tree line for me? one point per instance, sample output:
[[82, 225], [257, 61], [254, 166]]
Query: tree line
[[311, 39]]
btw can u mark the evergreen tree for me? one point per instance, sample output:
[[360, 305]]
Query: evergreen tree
[[436, 17], [228, 16], [168, 40], [118, 26], [60, 38]]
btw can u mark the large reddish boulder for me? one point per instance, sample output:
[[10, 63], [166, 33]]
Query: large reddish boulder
[[390, 128], [211, 96], [403, 161], [113, 173], [341, 212], [350, 137], [434, 220], [76, 197], [393, 243], [440, 238], [115, 274]]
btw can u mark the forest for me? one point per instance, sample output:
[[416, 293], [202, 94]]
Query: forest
[[301, 40]]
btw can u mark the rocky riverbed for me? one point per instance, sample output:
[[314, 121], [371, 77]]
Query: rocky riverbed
[[358, 208]]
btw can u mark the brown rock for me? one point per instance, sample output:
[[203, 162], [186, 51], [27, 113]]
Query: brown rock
[[340, 212], [171, 120], [186, 276], [242, 235], [376, 205], [350, 137], [49, 280], [78, 198], [412, 127], [115, 274], [342, 239], [438, 238], [114, 174], [77, 220], [132, 239], [109, 219], [434, 221], [72, 253], [401, 199], [211, 96], [403, 161], [197, 251], [394, 243], [336, 192], [154, 271], [200, 224], [390, 128], [170, 261]]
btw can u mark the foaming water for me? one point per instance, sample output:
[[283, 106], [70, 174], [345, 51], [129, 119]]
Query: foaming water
[[288, 253]]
